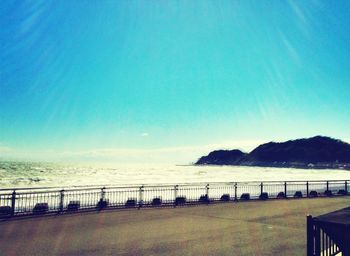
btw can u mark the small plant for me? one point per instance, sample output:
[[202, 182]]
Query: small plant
[[328, 193], [342, 192], [313, 193], [102, 204], [130, 203], [264, 196], [245, 196], [73, 206], [298, 194], [41, 208], [203, 199], [281, 195], [5, 211], [156, 201], [225, 197], [180, 200]]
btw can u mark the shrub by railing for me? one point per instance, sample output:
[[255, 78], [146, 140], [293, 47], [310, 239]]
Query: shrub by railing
[[27, 201]]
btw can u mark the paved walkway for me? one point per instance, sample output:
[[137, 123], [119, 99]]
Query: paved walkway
[[275, 227]]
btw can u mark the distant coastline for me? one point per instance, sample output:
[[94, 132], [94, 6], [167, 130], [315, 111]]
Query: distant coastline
[[318, 152]]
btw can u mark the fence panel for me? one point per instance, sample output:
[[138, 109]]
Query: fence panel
[[337, 187], [274, 189], [158, 196], [222, 191], [87, 199], [296, 189], [24, 201], [318, 187], [319, 242], [252, 188], [5, 199], [191, 193], [37, 202], [123, 197]]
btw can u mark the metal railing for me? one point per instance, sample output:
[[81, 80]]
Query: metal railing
[[27, 201], [319, 242]]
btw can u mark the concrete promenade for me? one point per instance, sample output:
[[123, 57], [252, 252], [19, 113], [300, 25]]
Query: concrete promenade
[[274, 227]]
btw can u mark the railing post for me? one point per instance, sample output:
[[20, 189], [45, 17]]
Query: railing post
[[13, 203], [346, 187], [285, 189], [61, 200], [309, 236], [103, 193], [175, 194], [307, 189], [141, 196], [207, 192], [327, 185], [261, 188], [236, 191]]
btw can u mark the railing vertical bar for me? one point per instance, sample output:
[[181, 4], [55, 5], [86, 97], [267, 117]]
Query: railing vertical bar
[[309, 236], [141, 196], [285, 189], [103, 193], [13, 203], [325, 241], [328, 243], [207, 193], [236, 191], [346, 187], [317, 241], [332, 248], [61, 200], [176, 187]]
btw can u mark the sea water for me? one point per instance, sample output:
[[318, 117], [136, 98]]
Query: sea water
[[29, 174]]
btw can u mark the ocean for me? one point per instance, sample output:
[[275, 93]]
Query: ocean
[[31, 174]]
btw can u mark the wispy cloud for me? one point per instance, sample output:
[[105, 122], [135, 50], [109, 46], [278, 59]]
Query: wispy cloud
[[302, 18], [298, 11], [290, 48], [144, 134], [178, 154], [164, 155]]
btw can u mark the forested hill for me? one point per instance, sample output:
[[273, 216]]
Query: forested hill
[[315, 152]]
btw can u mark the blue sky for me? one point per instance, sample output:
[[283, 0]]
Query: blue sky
[[126, 80]]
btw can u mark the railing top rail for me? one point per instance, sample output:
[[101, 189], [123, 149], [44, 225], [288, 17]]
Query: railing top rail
[[114, 186], [160, 185]]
